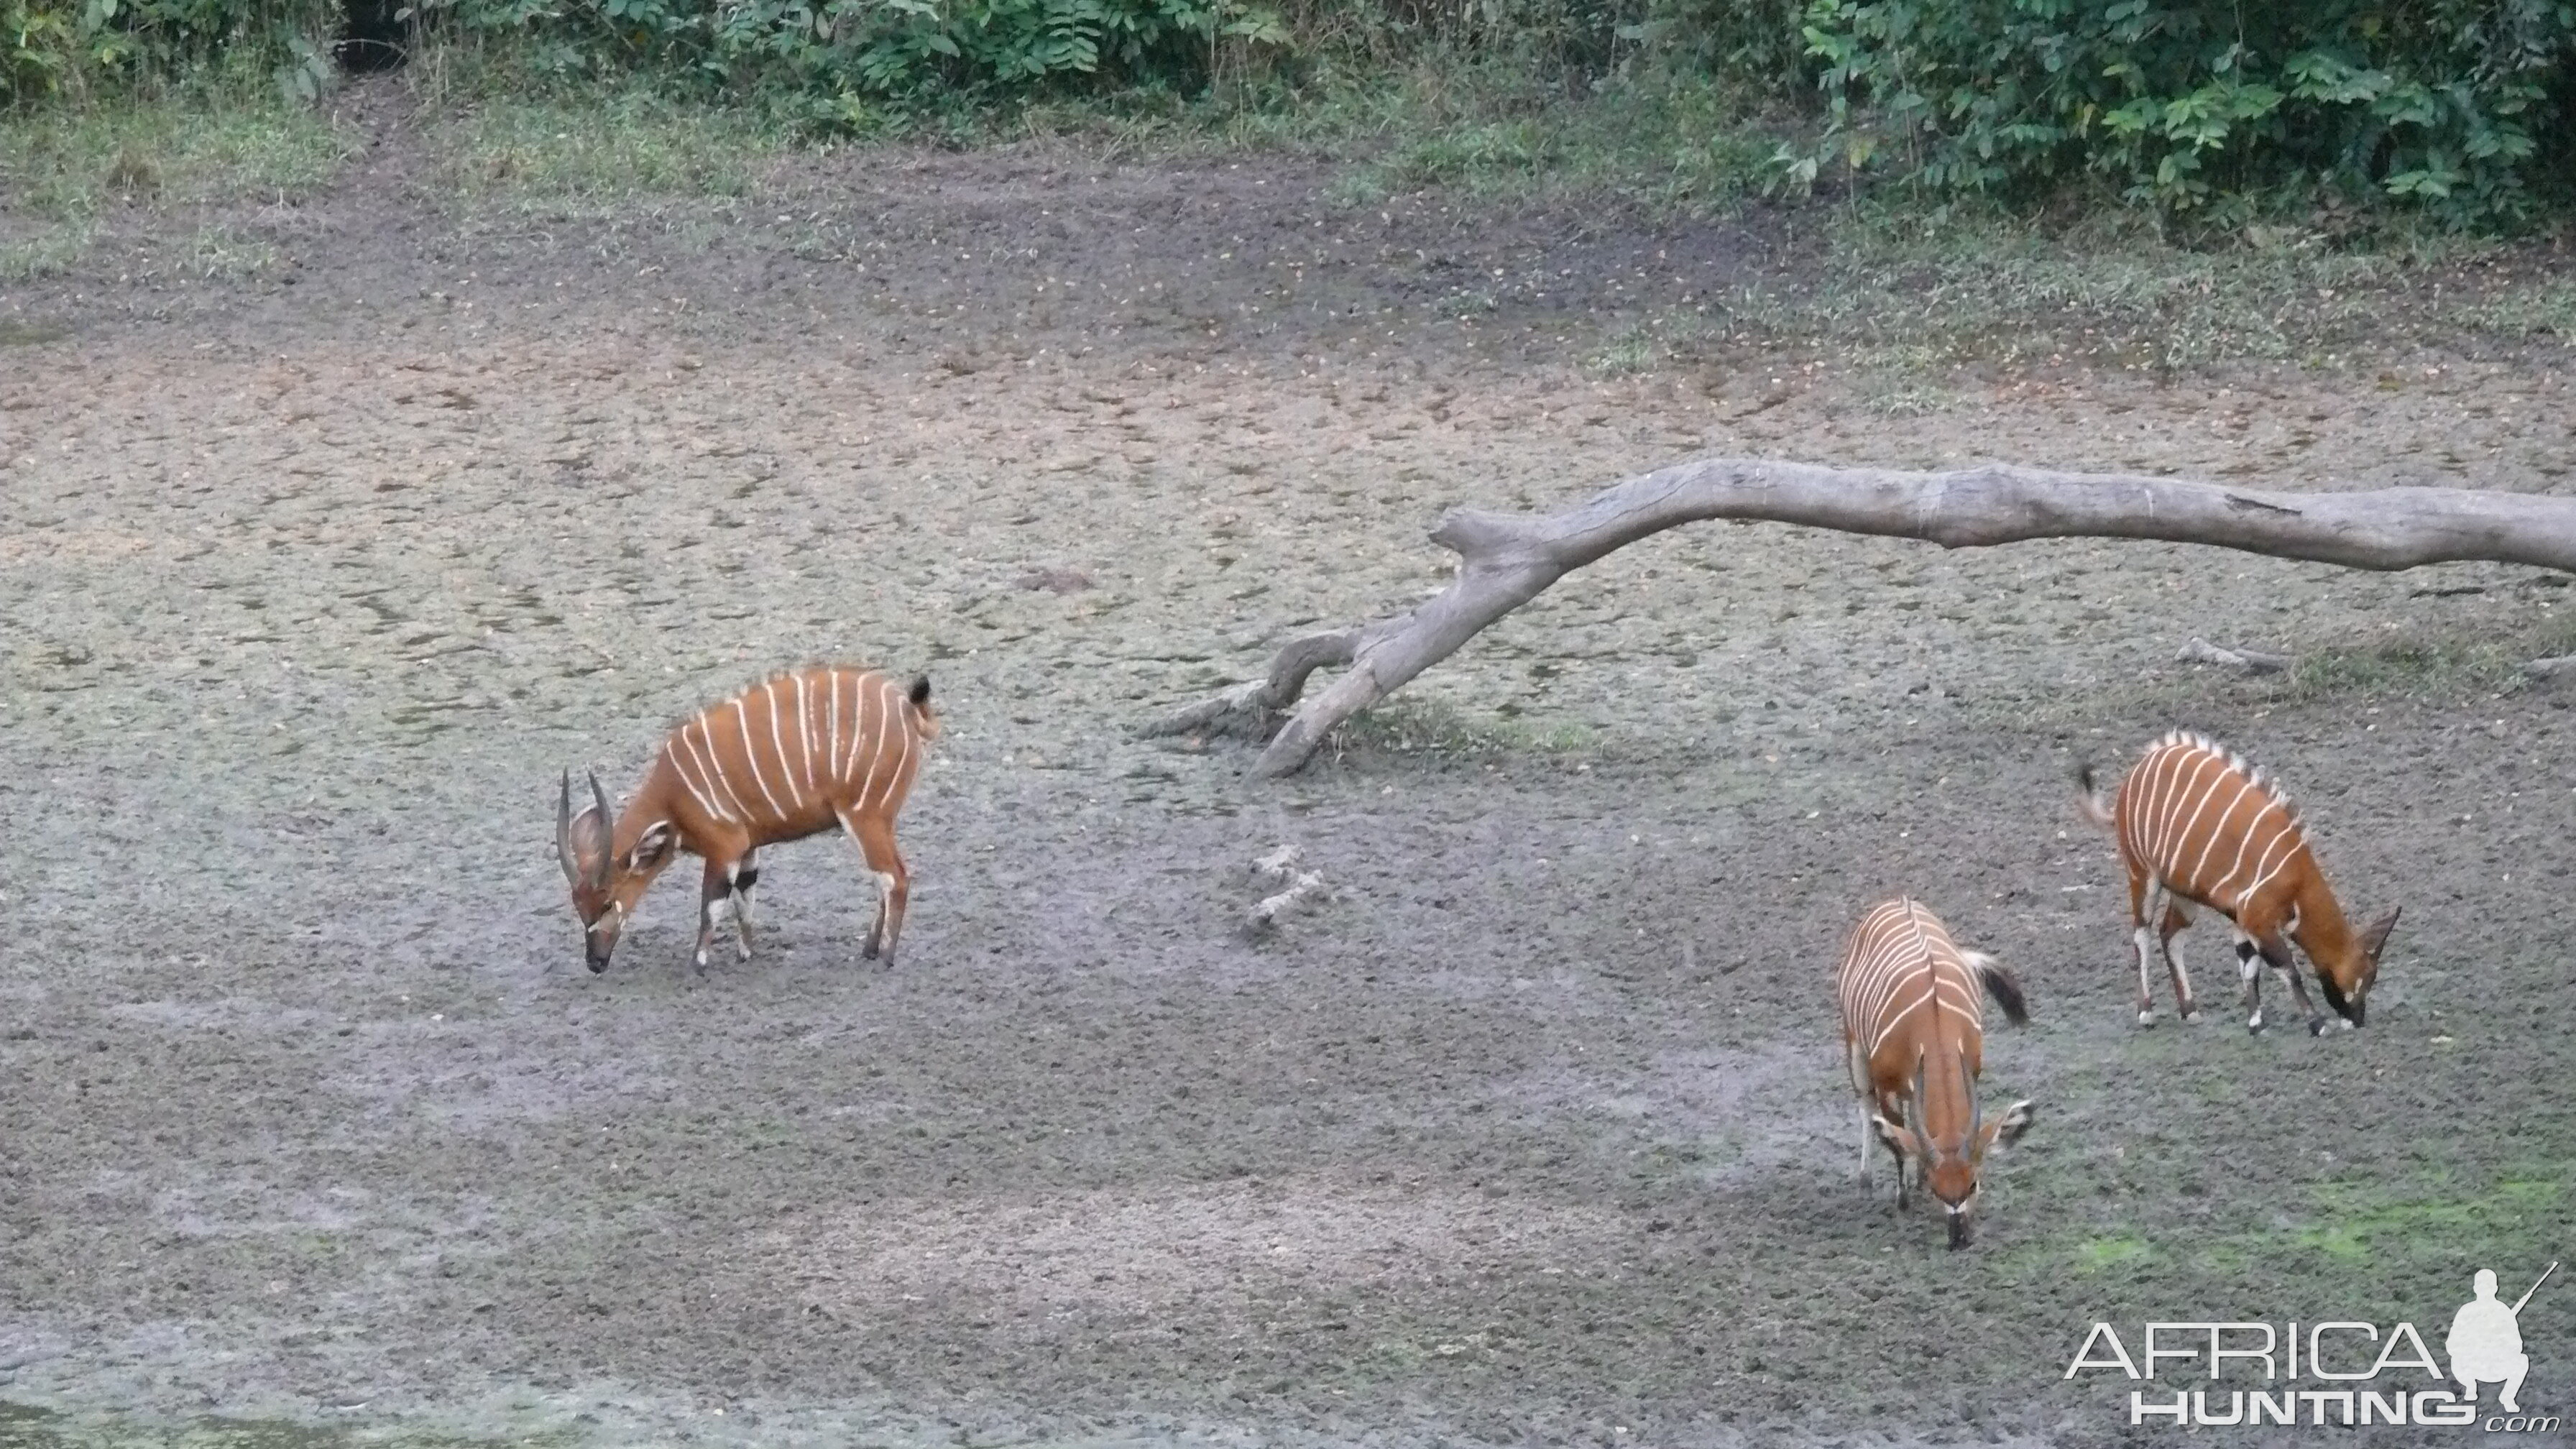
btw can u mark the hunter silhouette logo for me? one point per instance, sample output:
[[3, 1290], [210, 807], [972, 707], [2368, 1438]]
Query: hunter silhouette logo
[[2333, 1373], [2485, 1343]]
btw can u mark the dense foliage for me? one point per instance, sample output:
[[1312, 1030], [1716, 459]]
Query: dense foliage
[[2444, 102], [2460, 107]]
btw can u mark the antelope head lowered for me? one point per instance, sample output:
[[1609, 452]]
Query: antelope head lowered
[[1949, 1144], [605, 885]]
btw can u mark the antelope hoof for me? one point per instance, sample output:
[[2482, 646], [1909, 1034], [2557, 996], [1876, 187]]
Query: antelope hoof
[[2146, 1018], [2317, 1027], [742, 951], [2191, 1016], [2254, 1024]]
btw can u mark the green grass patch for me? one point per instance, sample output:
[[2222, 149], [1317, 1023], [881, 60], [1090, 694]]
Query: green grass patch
[[67, 166], [1905, 290], [610, 148], [63, 170], [2111, 1250], [2524, 310], [2424, 665], [2436, 1220], [1410, 724], [52, 249], [1486, 128]]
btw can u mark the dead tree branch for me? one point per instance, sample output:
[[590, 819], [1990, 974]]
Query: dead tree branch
[[1281, 864], [1506, 560], [2252, 661]]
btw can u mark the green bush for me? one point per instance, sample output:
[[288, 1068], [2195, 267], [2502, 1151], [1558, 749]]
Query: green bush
[[2195, 105], [850, 55], [839, 57]]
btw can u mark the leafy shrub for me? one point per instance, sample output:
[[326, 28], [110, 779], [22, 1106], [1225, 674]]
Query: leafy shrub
[[841, 56], [845, 57], [2193, 104]]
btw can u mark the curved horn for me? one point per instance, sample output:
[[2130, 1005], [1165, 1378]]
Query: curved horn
[[1976, 1109], [1922, 1131], [607, 831], [563, 830]]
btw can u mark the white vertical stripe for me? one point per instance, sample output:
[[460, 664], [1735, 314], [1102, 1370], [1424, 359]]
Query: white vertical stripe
[[742, 723], [711, 765], [832, 757], [778, 744], [805, 733], [682, 772]]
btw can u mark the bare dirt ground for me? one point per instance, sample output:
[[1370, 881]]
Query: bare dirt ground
[[313, 1131]]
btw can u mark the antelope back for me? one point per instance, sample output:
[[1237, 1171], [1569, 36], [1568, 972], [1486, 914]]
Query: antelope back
[[1907, 990], [2194, 815], [799, 751]]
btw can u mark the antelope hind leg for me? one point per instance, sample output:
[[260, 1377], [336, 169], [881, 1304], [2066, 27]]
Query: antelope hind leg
[[885, 865], [2175, 918]]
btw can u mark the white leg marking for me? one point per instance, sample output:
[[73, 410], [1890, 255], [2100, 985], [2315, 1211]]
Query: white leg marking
[[2141, 938]]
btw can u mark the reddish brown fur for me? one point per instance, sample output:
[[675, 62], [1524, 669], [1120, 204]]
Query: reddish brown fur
[[794, 755], [2196, 824], [1914, 1041]]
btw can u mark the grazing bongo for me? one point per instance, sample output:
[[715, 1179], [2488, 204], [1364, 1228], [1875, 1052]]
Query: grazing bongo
[[794, 755], [1915, 1043], [2196, 823]]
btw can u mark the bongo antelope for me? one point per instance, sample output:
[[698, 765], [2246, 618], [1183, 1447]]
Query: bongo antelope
[[794, 755], [2197, 824], [1915, 1043]]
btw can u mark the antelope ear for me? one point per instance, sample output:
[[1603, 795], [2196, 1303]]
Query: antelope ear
[[2007, 1131], [1897, 1138], [2375, 939], [653, 848]]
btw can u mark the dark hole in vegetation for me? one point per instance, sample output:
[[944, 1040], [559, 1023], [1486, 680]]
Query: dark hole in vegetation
[[376, 36]]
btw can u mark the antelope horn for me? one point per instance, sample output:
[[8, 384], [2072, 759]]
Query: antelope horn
[[607, 831], [1922, 1134], [1976, 1109], [563, 830]]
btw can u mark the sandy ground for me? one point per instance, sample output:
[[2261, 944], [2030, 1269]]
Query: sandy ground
[[313, 1131]]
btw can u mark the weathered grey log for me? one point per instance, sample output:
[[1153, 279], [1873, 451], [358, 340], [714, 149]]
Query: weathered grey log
[[2252, 661], [1505, 560], [1281, 864]]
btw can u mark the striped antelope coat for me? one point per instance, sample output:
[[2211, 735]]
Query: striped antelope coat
[[2198, 825], [1914, 1040], [795, 755]]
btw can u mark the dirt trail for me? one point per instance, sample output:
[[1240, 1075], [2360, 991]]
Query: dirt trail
[[1533, 1133]]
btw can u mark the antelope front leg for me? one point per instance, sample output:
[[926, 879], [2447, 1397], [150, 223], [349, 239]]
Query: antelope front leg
[[714, 891], [2277, 951], [2249, 968], [745, 874]]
